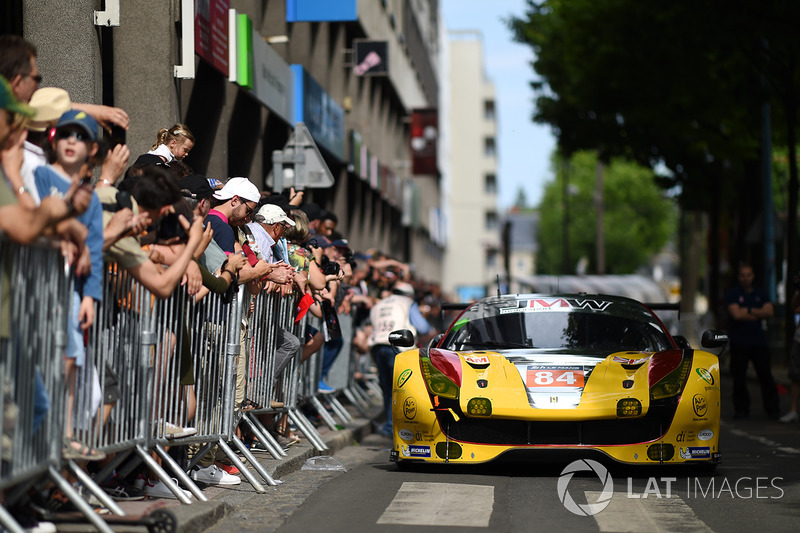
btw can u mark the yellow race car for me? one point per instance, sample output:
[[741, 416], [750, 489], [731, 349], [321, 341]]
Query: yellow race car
[[564, 375]]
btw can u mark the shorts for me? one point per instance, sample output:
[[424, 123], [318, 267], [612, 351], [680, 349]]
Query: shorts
[[75, 346], [309, 333]]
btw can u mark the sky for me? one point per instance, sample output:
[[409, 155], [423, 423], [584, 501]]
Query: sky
[[524, 147]]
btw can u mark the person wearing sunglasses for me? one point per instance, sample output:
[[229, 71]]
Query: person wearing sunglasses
[[74, 144]]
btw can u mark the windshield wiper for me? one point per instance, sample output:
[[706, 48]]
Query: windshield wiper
[[497, 344]]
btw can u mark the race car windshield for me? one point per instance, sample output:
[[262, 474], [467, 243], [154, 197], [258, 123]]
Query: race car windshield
[[604, 328]]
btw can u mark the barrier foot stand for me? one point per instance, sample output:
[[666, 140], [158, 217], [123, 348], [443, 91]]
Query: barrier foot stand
[[94, 488], [113, 465], [263, 436], [253, 462], [199, 455], [339, 410], [76, 499], [162, 475], [326, 416], [368, 399], [180, 474], [8, 522], [353, 394], [375, 389], [355, 400], [307, 429]]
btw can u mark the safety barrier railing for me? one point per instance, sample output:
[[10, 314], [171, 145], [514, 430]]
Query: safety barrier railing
[[152, 368], [35, 298]]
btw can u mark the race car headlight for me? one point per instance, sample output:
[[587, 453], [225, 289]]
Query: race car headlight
[[628, 407], [438, 382], [479, 407], [668, 373]]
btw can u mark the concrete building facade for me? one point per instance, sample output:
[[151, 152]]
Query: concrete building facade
[[472, 260], [257, 67]]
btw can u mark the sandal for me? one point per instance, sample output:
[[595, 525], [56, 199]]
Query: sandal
[[250, 405], [75, 449]]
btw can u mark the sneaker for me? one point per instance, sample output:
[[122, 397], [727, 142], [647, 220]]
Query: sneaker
[[324, 388], [231, 469], [213, 475], [140, 482], [160, 490], [123, 492], [173, 431], [791, 416]]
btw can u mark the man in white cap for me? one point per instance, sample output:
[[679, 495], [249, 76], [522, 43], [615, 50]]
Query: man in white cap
[[233, 205]]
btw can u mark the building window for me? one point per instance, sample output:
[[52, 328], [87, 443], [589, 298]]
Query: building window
[[488, 110], [489, 149], [491, 259], [491, 221], [490, 184]]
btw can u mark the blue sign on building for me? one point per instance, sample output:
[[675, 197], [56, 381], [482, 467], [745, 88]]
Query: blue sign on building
[[323, 117], [321, 10]]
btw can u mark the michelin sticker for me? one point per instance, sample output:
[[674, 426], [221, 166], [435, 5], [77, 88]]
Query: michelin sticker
[[695, 453], [415, 451], [405, 434]]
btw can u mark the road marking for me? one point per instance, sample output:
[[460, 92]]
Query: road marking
[[440, 504], [764, 441], [660, 515]]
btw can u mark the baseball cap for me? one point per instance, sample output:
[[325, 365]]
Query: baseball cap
[[81, 119], [312, 210], [9, 102], [272, 214], [403, 288], [319, 242], [241, 187], [195, 186]]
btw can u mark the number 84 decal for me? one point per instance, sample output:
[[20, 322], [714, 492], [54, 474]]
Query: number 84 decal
[[554, 377]]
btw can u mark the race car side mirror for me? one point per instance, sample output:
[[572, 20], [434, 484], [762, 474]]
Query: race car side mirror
[[401, 337], [713, 338]]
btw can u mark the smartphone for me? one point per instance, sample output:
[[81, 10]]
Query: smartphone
[[117, 135]]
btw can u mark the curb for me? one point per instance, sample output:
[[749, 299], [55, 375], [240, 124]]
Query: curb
[[222, 502]]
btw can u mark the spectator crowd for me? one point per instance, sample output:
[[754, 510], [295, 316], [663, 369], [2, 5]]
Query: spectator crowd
[[64, 177]]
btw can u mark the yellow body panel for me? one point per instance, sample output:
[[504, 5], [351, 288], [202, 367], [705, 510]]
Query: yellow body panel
[[694, 430]]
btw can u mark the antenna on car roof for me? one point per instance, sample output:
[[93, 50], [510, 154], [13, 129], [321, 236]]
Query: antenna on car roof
[[498, 285]]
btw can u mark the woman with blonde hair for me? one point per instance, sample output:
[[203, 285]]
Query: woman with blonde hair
[[173, 143]]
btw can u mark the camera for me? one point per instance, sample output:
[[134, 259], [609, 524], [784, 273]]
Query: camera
[[329, 267]]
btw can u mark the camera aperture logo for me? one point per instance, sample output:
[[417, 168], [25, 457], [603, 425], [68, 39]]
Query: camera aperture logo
[[585, 509]]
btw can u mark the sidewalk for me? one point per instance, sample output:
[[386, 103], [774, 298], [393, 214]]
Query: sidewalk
[[224, 501]]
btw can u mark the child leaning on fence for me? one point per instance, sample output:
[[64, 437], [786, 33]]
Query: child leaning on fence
[[74, 145]]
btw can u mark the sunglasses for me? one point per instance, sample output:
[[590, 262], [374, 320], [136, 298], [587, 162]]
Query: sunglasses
[[78, 134], [248, 210], [37, 78]]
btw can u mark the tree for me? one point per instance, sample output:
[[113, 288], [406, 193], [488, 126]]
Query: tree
[[638, 219], [676, 86]]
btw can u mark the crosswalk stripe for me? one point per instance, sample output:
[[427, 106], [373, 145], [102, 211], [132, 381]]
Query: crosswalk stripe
[[657, 515], [440, 504]]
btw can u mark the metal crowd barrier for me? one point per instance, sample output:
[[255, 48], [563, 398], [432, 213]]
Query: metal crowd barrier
[[36, 295], [134, 390], [273, 390]]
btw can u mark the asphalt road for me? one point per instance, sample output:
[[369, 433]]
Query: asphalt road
[[756, 488]]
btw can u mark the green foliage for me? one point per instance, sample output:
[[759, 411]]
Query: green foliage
[[638, 219], [672, 85]]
